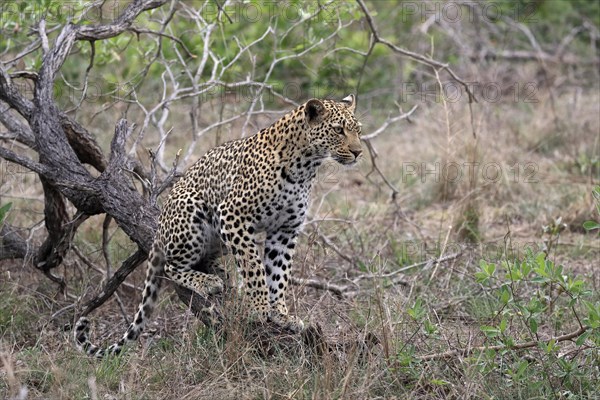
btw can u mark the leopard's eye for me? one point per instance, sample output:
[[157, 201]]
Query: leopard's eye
[[338, 129]]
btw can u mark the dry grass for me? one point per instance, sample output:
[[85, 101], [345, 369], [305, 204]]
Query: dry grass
[[352, 214]]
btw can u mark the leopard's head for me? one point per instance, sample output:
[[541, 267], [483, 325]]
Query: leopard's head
[[333, 130]]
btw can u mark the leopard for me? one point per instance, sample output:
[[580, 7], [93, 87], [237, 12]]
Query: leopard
[[255, 185]]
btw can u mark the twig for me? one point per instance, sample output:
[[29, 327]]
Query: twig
[[138, 30], [338, 290], [415, 56], [374, 167], [533, 343], [85, 77], [101, 271], [436, 65], [43, 36], [122, 309], [105, 241], [108, 272], [62, 310], [115, 281], [336, 249], [223, 11], [344, 290], [449, 257], [156, 190], [373, 153], [388, 122], [437, 263]]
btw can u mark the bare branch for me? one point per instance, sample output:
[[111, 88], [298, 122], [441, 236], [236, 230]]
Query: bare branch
[[82, 142], [138, 31], [105, 242], [60, 229], [400, 270], [43, 36], [374, 167], [166, 182], [21, 132], [338, 290], [327, 241], [115, 281], [518, 346], [118, 156], [11, 95], [94, 267], [85, 78], [24, 161], [388, 122], [121, 24], [415, 56]]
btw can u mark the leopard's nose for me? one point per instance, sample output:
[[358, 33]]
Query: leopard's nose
[[356, 153]]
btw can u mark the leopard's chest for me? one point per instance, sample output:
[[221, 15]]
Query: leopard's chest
[[286, 208]]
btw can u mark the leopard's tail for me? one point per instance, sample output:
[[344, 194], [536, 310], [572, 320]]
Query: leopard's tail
[[154, 272]]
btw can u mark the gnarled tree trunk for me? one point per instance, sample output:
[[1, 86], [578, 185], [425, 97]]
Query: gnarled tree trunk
[[63, 147]]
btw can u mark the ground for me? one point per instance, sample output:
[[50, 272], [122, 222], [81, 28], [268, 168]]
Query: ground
[[532, 165]]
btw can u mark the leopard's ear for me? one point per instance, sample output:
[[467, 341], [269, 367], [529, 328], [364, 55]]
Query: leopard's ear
[[315, 111], [350, 102]]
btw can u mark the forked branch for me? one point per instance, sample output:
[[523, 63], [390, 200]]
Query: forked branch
[[410, 54], [518, 346]]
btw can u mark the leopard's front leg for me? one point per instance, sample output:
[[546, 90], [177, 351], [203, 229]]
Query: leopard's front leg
[[238, 235], [240, 239], [279, 251]]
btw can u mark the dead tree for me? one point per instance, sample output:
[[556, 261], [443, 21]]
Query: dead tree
[[63, 147]]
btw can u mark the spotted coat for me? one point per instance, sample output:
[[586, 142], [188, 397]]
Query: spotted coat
[[254, 185]]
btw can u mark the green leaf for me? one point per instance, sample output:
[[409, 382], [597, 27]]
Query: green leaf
[[490, 354], [490, 331], [593, 317], [541, 269], [522, 367], [417, 312], [540, 259], [508, 341], [593, 308], [504, 294], [430, 328], [515, 274], [591, 225], [572, 302], [503, 325], [539, 279], [362, 267], [4, 210], [551, 346], [581, 339], [525, 268], [482, 277], [533, 325]]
